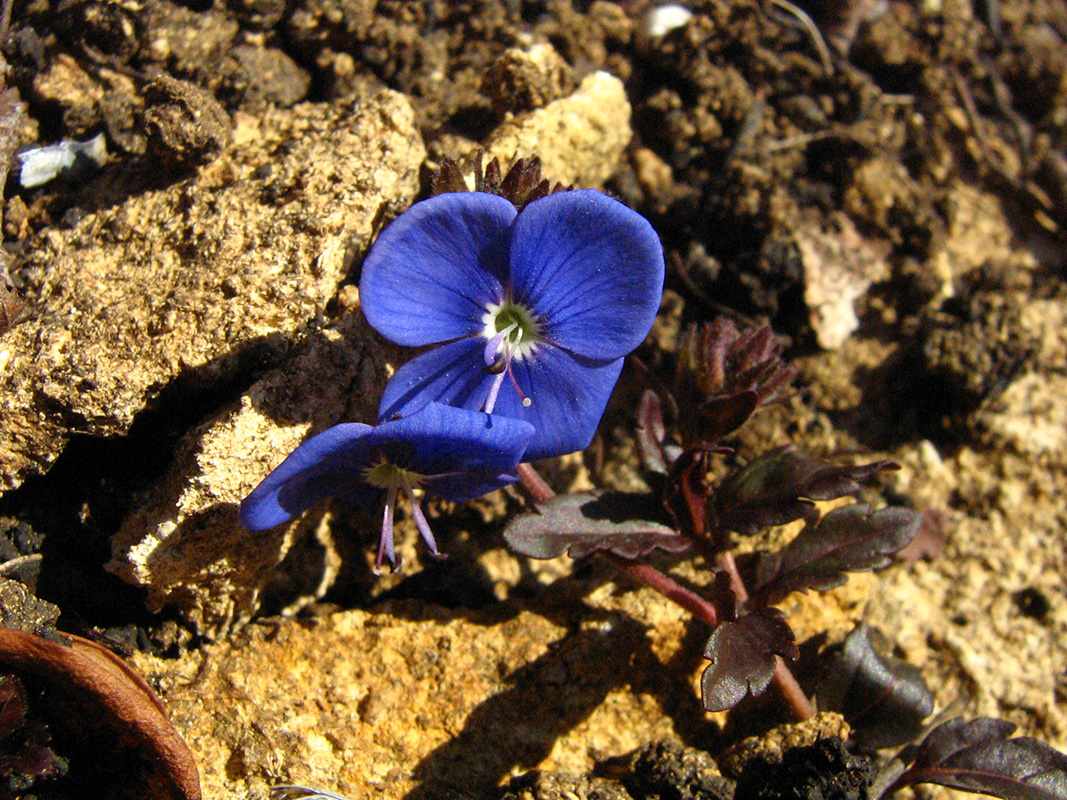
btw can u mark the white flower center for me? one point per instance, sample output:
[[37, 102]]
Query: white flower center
[[511, 333], [517, 330]]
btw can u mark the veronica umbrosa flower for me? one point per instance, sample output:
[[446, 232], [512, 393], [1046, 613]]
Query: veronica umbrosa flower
[[530, 313], [440, 450]]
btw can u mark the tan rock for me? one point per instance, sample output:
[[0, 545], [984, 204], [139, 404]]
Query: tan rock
[[580, 138], [184, 543], [379, 703], [522, 80], [1029, 416], [193, 278], [839, 267]]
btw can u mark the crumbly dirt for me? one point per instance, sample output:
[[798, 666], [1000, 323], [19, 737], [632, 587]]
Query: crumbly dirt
[[884, 183]]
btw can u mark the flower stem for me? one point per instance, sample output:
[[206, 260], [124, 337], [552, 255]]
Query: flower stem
[[675, 592], [533, 484]]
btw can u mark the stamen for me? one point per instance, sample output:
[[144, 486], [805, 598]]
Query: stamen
[[494, 389], [421, 523], [517, 339], [386, 550], [526, 401]]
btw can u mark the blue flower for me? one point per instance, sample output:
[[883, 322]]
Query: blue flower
[[531, 313], [444, 451]]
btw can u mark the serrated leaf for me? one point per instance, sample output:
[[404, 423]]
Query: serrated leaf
[[579, 524], [847, 539], [742, 657], [448, 177], [885, 700], [978, 756], [779, 487]]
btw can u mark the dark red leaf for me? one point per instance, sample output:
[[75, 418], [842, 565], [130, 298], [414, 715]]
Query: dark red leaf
[[719, 416], [628, 525], [779, 487], [448, 177], [652, 434], [742, 657], [885, 700], [522, 184], [723, 376], [978, 756], [847, 539]]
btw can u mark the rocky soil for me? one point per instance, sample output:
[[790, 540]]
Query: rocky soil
[[886, 183]]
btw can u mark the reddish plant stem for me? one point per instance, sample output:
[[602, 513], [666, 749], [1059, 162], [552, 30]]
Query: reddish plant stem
[[676, 593], [539, 491], [786, 684], [533, 484]]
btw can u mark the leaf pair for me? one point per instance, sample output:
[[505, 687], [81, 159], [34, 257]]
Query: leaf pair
[[847, 539], [886, 700]]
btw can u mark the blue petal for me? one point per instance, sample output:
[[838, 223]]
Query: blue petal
[[453, 374], [329, 464], [461, 488], [591, 269], [569, 396], [568, 393], [431, 274], [441, 440]]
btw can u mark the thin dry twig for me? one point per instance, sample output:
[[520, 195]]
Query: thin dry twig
[[20, 561], [812, 30]]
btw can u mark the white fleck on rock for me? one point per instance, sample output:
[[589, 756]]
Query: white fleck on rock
[[839, 266], [661, 20]]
